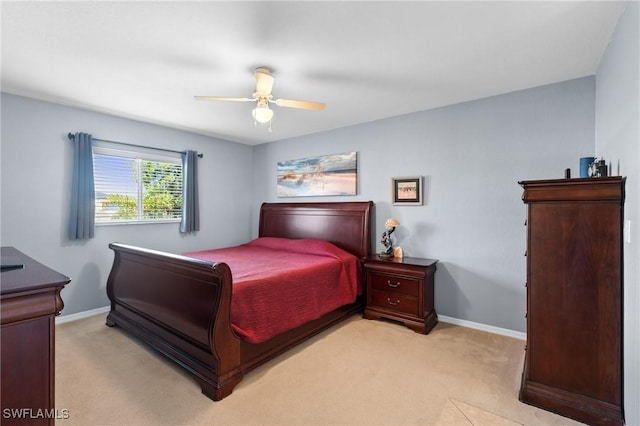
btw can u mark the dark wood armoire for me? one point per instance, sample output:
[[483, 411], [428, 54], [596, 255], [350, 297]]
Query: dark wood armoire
[[573, 361]]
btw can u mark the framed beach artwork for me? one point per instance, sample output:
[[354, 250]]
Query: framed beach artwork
[[333, 174], [406, 190]]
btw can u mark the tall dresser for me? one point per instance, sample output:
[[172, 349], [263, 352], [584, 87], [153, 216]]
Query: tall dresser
[[30, 299], [573, 361]]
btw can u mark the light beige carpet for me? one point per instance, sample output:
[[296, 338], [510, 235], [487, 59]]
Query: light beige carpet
[[359, 372], [459, 413]]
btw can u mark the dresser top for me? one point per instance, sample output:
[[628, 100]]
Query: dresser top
[[602, 189], [32, 275], [418, 261]]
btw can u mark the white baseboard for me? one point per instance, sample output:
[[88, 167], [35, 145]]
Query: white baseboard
[[448, 320], [483, 327], [82, 315]]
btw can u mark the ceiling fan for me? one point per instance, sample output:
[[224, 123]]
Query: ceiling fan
[[263, 97]]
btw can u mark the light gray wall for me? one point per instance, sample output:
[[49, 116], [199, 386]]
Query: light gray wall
[[617, 141], [36, 175], [472, 156]]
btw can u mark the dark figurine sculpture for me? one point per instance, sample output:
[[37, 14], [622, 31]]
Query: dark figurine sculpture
[[390, 226]]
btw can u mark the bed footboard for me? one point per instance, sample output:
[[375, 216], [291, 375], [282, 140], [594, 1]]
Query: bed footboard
[[180, 306]]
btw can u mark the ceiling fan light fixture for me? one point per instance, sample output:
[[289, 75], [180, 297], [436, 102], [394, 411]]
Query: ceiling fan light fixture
[[262, 114], [262, 97]]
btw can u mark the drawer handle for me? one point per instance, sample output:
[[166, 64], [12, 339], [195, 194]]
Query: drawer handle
[[397, 284], [396, 303]]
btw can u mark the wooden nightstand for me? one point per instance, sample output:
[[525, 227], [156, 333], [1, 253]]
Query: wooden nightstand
[[401, 290]]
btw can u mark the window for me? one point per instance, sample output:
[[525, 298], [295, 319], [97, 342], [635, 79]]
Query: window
[[136, 185]]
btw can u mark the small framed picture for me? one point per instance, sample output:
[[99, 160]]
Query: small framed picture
[[407, 191]]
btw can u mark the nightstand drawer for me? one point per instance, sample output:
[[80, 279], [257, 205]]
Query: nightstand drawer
[[395, 284], [395, 301]]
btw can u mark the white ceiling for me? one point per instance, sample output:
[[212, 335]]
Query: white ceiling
[[365, 60]]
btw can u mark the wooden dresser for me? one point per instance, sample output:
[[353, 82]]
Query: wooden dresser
[[30, 299], [401, 290], [573, 362]]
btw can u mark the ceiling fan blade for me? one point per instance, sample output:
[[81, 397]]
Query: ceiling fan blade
[[317, 106], [223, 98], [264, 82]]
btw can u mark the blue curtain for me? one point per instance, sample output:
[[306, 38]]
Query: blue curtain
[[190, 212], [82, 217]]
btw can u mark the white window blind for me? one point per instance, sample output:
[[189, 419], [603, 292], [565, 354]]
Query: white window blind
[[136, 185]]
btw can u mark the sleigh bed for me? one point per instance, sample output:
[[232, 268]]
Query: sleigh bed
[[181, 305]]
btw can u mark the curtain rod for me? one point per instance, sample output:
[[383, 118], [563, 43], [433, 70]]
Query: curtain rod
[[71, 136]]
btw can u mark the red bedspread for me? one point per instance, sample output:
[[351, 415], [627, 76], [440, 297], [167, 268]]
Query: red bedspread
[[279, 284]]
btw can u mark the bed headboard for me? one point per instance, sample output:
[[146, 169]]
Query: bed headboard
[[347, 225]]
